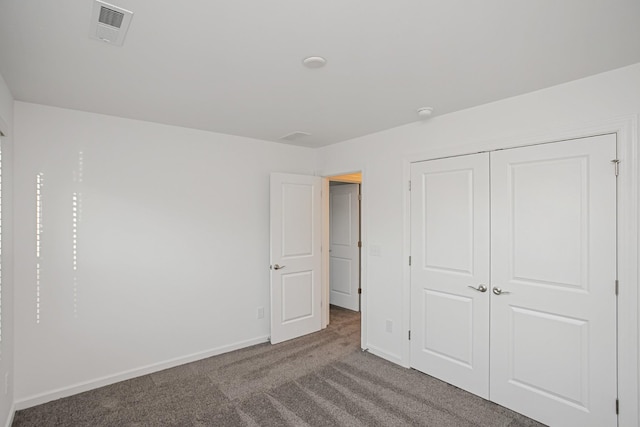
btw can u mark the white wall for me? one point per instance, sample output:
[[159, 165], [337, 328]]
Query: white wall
[[172, 259], [6, 346], [172, 246], [384, 158]]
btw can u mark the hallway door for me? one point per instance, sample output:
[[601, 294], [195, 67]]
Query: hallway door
[[344, 251]]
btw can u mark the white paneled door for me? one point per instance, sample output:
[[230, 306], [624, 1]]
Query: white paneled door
[[295, 224], [543, 334], [553, 240], [344, 252], [450, 270]]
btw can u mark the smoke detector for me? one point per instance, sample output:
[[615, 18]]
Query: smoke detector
[[314, 62], [425, 112], [109, 23]]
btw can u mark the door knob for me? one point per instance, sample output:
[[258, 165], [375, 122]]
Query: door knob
[[481, 288], [278, 267], [499, 291]]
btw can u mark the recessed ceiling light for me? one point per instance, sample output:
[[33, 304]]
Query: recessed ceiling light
[[314, 62], [425, 112]]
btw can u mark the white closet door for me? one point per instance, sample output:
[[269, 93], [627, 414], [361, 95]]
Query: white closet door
[[553, 239], [450, 257]]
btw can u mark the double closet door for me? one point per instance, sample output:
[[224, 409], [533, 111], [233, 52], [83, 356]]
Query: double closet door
[[513, 278]]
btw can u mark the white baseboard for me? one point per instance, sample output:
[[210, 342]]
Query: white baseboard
[[12, 412], [394, 358], [126, 375]]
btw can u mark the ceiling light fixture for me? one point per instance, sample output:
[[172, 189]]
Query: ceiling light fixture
[[314, 62], [425, 112]]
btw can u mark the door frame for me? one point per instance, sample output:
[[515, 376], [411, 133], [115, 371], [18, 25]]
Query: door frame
[[626, 130], [326, 177]]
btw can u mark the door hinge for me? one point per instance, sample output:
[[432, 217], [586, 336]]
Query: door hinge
[[409, 185], [409, 335], [360, 244], [617, 286], [616, 164], [617, 406], [360, 197], [409, 260], [359, 291]]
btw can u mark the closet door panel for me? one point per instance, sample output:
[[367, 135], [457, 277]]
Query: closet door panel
[[553, 256], [450, 257]]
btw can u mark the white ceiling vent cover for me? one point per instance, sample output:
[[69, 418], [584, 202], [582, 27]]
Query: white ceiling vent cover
[[294, 136], [109, 23]]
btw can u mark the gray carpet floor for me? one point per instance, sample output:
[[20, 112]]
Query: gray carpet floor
[[322, 379]]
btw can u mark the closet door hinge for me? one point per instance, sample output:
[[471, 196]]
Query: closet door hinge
[[409, 260], [617, 407], [409, 335], [360, 244], [616, 164], [409, 185], [360, 197], [617, 286]]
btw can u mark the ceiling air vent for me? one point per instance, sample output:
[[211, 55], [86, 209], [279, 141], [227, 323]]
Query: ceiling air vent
[[109, 23], [110, 17], [294, 136]]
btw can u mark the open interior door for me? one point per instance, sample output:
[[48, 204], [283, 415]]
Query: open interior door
[[295, 255], [344, 256]]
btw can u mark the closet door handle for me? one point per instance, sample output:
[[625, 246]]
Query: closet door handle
[[481, 288], [278, 267], [499, 291]]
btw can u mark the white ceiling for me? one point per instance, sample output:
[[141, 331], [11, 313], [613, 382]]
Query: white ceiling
[[234, 66]]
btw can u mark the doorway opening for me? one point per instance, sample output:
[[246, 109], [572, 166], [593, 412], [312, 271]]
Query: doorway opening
[[342, 263]]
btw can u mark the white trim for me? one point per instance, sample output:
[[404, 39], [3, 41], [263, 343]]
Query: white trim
[[394, 358], [628, 297], [561, 133], [325, 253], [406, 269], [626, 128], [364, 257], [12, 413], [4, 130], [59, 393], [363, 252]]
